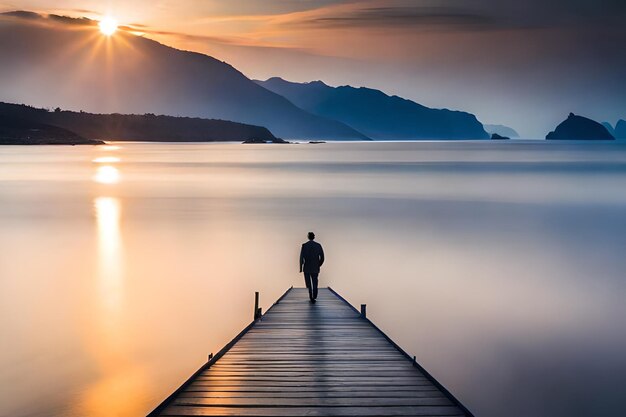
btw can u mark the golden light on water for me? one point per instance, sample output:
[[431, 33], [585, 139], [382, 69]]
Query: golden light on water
[[106, 160], [116, 393], [107, 338], [108, 26], [108, 213], [112, 393], [107, 174]]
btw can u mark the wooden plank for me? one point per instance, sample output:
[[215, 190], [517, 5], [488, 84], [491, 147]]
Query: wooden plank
[[285, 376], [310, 402], [295, 384], [355, 393], [308, 388], [311, 411], [311, 373]]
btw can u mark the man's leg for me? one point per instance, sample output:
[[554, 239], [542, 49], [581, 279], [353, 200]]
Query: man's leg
[[314, 285], [307, 281]]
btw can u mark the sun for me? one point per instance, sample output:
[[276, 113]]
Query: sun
[[108, 26]]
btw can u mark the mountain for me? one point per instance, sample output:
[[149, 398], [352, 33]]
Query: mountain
[[14, 131], [609, 128], [620, 129], [53, 60], [147, 127], [501, 130], [580, 128], [376, 114]]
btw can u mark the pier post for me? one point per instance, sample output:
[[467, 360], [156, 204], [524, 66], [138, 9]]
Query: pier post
[[256, 305], [364, 311]]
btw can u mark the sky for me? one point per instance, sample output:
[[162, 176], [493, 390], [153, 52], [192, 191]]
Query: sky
[[525, 64]]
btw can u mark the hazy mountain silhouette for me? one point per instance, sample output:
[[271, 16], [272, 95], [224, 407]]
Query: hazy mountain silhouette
[[610, 128], [14, 131], [376, 114], [147, 127], [501, 130], [50, 61], [620, 129], [580, 128]]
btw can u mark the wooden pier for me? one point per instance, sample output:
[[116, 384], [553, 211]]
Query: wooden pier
[[303, 359]]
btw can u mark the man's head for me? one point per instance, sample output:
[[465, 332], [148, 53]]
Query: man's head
[[311, 235]]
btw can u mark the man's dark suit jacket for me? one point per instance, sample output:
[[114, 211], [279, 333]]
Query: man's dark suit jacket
[[311, 257]]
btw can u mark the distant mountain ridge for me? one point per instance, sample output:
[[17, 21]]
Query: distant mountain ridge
[[580, 128], [620, 129], [609, 128], [501, 130], [377, 114], [52, 60], [131, 127]]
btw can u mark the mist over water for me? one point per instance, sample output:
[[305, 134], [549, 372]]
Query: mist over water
[[499, 265]]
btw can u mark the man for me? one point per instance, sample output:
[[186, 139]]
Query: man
[[311, 258]]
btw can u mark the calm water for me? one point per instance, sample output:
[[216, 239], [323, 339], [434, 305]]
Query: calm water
[[501, 266]]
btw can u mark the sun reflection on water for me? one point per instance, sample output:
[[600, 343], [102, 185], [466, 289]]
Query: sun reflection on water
[[114, 389], [109, 147], [108, 213], [106, 160], [107, 174]]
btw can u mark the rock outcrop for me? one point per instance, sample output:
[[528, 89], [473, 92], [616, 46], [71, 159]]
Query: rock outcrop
[[495, 136], [580, 128]]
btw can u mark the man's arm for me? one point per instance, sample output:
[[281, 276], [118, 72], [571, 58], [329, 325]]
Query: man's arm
[[321, 255], [301, 257]]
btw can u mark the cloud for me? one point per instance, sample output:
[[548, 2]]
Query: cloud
[[456, 15], [83, 21], [403, 17], [23, 14], [49, 18], [224, 40]]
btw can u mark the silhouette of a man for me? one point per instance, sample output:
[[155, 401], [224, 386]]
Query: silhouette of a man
[[311, 258]]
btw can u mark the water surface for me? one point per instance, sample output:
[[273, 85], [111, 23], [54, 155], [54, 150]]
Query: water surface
[[499, 265]]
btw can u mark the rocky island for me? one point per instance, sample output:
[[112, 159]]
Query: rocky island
[[495, 136], [580, 128], [257, 140]]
